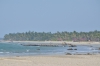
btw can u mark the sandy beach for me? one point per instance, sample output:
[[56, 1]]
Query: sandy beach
[[66, 60], [53, 42]]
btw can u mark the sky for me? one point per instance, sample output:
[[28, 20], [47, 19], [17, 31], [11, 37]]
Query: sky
[[49, 16]]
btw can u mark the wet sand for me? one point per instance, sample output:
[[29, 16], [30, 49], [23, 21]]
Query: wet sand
[[65, 60]]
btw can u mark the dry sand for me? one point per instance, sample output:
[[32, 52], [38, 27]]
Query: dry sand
[[66, 60], [54, 42]]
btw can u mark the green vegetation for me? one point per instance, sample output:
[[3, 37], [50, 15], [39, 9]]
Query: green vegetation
[[58, 36]]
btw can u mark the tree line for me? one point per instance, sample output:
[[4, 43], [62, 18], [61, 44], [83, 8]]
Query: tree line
[[58, 36]]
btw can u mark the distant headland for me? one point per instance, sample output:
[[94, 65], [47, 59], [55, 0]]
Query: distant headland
[[91, 36]]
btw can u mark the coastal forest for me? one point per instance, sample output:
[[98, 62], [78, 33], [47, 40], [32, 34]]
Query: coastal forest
[[58, 36]]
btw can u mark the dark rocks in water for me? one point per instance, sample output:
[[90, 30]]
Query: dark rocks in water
[[70, 49], [90, 46], [97, 48], [72, 45], [38, 49], [17, 56], [89, 54], [47, 45], [50, 45], [29, 45], [98, 52], [75, 49], [92, 49], [68, 54], [83, 54], [77, 54]]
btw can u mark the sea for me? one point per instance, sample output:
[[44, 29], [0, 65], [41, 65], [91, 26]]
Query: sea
[[16, 49]]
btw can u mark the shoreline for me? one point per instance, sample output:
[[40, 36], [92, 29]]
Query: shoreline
[[72, 46]]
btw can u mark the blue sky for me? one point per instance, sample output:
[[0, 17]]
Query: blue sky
[[49, 15]]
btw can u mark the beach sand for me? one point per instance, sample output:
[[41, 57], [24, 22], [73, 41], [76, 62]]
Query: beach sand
[[65, 60], [52, 42]]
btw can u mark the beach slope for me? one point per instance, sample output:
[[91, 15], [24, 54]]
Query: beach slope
[[66, 60]]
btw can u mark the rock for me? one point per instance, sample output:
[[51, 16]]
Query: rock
[[72, 45], [75, 49], [77, 54], [68, 54], [97, 48], [17, 56], [92, 49], [38, 49], [89, 54], [70, 49], [90, 46]]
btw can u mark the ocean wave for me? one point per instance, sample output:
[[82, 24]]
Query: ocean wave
[[4, 52]]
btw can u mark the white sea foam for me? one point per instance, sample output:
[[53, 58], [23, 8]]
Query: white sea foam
[[27, 50], [1, 52], [4, 52]]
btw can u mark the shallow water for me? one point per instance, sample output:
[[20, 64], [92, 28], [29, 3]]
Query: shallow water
[[14, 49]]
